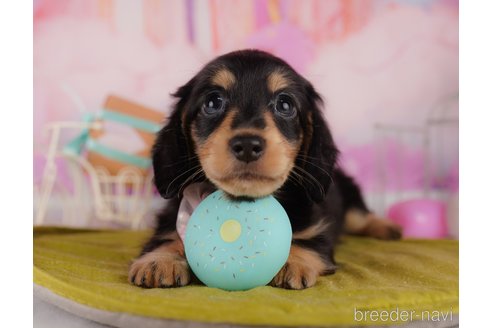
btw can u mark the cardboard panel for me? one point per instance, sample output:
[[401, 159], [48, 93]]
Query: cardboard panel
[[126, 107]]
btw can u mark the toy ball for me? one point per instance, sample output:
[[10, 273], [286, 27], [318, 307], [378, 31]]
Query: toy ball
[[420, 218], [237, 245]]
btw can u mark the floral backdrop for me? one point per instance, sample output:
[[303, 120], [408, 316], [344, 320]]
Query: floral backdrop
[[376, 62]]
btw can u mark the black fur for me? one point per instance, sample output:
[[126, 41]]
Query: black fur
[[172, 158], [325, 194]]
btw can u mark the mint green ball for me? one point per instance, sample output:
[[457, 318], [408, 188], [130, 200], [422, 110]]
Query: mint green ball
[[237, 245]]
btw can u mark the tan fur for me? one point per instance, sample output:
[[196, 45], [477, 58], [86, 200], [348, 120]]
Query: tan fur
[[311, 231], [224, 78], [301, 270], [165, 266], [359, 223], [355, 221], [277, 81], [214, 153], [221, 167]]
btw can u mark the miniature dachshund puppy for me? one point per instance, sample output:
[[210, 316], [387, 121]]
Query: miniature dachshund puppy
[[250, 125]]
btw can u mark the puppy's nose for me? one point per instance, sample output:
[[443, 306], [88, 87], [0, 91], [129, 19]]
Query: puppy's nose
[[247, 148]]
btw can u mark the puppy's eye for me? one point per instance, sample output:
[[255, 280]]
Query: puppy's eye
[[284, 106], [214, 103]]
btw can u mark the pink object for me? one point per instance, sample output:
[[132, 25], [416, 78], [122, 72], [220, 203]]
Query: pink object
[[192, 196], [420, 218]]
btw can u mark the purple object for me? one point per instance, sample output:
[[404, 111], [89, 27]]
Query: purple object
[[189, 20], [420, 218]]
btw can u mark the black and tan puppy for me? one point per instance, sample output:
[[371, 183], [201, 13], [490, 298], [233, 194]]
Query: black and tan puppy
[[251, 126]]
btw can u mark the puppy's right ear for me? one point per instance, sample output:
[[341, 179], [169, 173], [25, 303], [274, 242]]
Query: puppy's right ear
[[172, 156]]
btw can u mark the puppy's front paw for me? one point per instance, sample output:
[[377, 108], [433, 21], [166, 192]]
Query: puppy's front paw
[[155, 269], [301, 270], [295, 276]]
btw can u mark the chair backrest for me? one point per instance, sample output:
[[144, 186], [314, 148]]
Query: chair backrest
[[120, 177]]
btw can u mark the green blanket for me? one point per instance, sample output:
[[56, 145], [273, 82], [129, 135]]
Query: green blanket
[[90, 267]]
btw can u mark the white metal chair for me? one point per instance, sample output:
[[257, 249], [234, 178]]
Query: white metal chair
[[123, 198]]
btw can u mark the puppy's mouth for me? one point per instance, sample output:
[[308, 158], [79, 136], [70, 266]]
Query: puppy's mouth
[[248, 176], [248, 183]]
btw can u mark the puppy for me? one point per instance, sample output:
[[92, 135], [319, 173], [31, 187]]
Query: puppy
[[248, 124]]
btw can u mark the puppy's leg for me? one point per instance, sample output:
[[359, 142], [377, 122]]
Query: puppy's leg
[[301, 270], [359, 220], [162, 262], [164, 266], [361, 223], [311, 256]]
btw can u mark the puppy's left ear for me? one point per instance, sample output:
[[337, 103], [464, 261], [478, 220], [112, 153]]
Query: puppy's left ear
[[320, 153], [172, 156]]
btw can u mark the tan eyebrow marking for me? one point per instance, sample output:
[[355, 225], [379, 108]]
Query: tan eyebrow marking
[[277, 81], [224, 78]]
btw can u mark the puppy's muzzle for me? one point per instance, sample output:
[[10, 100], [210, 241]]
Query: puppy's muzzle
[[247, 148]]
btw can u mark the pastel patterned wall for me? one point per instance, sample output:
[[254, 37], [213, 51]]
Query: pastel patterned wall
[[374, 61]]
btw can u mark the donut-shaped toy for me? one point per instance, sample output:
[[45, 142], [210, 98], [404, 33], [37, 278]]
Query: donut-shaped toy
[[237, 245]]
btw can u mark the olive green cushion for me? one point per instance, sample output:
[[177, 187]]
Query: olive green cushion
[[90, 267]]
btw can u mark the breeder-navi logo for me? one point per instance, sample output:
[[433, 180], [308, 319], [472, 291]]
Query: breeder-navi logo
[[402, 315]]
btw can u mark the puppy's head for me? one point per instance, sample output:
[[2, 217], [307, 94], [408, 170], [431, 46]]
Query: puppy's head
[[247, 122]]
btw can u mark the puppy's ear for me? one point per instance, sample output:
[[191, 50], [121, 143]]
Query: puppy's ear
[[320, 153], [172, 156]]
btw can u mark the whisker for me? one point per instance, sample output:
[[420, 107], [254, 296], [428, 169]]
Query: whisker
[[297, 179], [190, 178], [176, 178], [301, 178], [309, 175], [317, 166]]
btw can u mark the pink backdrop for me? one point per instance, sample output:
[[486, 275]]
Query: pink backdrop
[[373, 61]]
